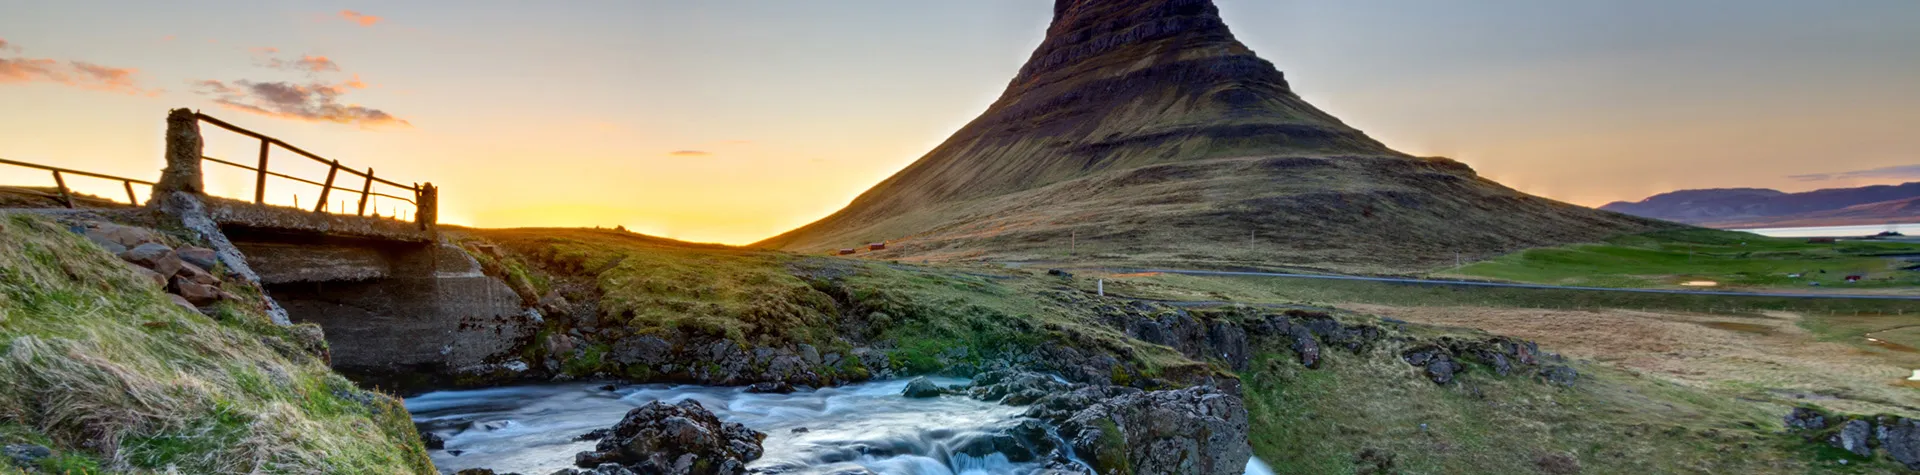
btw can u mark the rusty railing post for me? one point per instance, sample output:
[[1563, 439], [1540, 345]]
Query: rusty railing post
[[65, 198], [327, 188], [427, 206], [184, 149], [131, 198], [365, 192], [260, 180]]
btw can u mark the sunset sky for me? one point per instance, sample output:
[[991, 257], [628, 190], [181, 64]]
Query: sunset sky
[[733, 120]]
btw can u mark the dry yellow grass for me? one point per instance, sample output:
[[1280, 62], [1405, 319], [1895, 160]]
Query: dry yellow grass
[[1770, 357]]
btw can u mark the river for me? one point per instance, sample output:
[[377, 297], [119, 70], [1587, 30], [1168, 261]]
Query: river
[[530, 429]]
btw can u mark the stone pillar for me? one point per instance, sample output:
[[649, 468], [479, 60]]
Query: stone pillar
[[184, 149], [428, 213]]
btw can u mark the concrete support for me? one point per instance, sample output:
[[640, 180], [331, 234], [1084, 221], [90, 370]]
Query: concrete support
[[428, 214], [184, 149]]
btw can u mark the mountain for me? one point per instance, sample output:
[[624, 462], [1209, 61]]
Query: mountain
[[1143, 132], [1752, 207]]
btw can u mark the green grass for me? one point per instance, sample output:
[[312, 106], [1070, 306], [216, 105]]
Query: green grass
[[1371, 413], [1665, 259], [99, 365]]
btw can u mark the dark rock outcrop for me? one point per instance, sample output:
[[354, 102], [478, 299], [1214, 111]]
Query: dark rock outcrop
[[1862, 436], [679, 439], [1187, 431]]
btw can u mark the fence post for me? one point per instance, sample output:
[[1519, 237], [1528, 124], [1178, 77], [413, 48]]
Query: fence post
[[365, 192], [65, 198], [183, 154], [327, 188], [260, 180], [428, 204], [131, 198]]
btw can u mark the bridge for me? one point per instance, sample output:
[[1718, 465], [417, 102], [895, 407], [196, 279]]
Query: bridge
[[392, 295]]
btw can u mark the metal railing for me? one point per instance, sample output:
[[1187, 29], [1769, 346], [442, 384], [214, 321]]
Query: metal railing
[[334, 169], [66, 194]]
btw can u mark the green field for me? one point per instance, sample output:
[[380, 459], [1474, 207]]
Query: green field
[[1667, 259]]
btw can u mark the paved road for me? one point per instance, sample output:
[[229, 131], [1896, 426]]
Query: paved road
[[1464, 283]]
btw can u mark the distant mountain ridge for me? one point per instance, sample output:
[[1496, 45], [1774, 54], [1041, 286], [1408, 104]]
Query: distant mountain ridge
[[1759, 207]]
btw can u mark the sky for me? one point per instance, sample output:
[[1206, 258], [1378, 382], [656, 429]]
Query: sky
[[734, 120]]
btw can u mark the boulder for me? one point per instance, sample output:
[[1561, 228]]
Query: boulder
[[158, 280], [183, 303], [432, 441], [678, 439], [771, 387], [644, 349], [1442, 369], [196, 293], [154, 256], [603, 469], [921, 388], [1559, 374], [1806, 418], [1853, 436], [1196, 430], [197, 274], [1305, 346], [118, 238], [199, 256], [1900, 438], [475, 471]]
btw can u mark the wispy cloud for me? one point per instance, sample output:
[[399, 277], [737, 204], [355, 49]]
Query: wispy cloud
[[81, 74], [316, 102], [1898, 172], [360, 18], [691, 153]]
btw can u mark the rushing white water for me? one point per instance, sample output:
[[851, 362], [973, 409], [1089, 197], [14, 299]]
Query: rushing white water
[[530, 429]]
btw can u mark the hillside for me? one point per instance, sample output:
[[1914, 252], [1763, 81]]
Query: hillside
[[1143, 132], [107, 374], [1759, 208]]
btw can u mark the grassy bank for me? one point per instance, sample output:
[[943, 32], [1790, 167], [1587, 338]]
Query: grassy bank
[[1667, 259], [98, 364]]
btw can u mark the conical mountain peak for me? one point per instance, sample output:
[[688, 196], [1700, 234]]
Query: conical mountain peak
[[1141, 130]]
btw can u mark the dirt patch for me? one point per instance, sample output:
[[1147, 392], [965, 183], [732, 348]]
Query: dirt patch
[[1753, 328]]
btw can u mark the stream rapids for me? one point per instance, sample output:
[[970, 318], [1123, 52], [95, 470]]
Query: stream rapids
[[859, 428]]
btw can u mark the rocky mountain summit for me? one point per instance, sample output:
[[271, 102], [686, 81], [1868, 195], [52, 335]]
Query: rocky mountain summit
[[1144, 131]]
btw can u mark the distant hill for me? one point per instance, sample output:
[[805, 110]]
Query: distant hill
[[1753, 207], [1143, 132]]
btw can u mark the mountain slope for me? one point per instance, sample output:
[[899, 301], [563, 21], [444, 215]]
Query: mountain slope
[[1142, 131], [1754, 207], [1905, 210]]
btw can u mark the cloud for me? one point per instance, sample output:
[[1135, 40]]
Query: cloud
[[307, 63], [1898, 172], [361, 18], [690, 153], [314, 102], [81, 74]]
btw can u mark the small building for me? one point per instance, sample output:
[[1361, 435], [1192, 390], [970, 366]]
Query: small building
[[1820, 240], [878, 246], [846, 252]]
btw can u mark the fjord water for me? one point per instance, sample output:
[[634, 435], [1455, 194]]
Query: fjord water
[[530, 429], [1837, 231]]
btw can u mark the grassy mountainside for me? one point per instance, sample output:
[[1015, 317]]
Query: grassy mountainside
[[98, 364], [1667, 259], [1143, 133]]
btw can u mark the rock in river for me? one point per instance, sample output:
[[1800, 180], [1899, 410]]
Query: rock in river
[[677, 439]]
